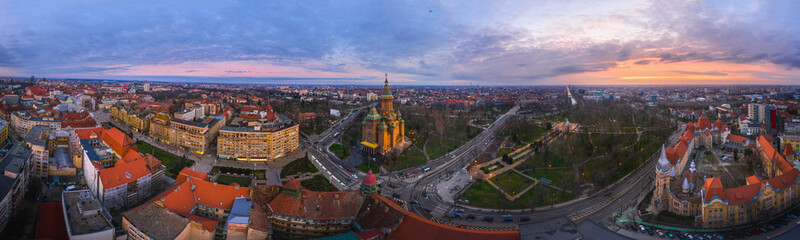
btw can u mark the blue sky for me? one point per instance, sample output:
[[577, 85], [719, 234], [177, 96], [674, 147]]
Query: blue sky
[[416, 42]]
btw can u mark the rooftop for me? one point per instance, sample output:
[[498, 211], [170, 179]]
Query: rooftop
[[156, 222], [84, 213]]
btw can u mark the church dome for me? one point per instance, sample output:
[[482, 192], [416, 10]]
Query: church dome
[[370, 179], [663, 162], [686, 185]]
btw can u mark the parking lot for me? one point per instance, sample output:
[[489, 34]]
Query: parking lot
[[781, 227]]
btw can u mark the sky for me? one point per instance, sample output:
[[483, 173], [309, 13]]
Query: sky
[[496, 42]]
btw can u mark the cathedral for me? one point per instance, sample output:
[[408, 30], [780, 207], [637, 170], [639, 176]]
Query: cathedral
[[385, 131]]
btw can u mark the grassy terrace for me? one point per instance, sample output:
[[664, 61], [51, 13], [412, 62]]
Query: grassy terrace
[[496, 167], [438, 146], [412, 156], [228, 180], [341, 151], [482, 194], [302, 165], [366, 167], [318, 183], [173, 163], [511, 182]]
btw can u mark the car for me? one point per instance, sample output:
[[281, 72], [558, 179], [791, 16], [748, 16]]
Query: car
[[415, 202], [770, 227], [650, 231], [689, 236], [455, 215], [508, 219], [396, 195], [642, 229], [681, 237], [470, 217], [670, 235], [488, 219], [459, 210], [633, 227], [762, 229], [660, 234], [524, 219]]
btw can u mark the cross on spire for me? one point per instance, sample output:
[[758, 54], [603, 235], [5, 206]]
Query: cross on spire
[[387, 79]]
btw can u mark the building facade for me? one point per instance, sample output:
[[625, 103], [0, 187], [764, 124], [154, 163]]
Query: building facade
[[385, 131], [23, 121], [137, 120], [190, 136], [683, 191], [257, 143]]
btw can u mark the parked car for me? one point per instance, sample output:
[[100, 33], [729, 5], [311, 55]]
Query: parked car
[[524, 219], [642, 229], [508, 219], [670, 235], [470, 217], [488, 219], [660, 234]]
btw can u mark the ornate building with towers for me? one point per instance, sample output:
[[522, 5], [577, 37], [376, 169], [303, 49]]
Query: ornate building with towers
[[383, 131]]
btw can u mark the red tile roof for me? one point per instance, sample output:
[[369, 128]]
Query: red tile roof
[[773, 155], [737, 138], [713, 187], [788, 150], [118, 141], [753, 180], [194, 191], [89, 133], [188, 172], [208, 224], [784, 180], [742, 194], [37, 91], [418, 228], [676, 152], [703, 123], [317, 205], [123, 173]]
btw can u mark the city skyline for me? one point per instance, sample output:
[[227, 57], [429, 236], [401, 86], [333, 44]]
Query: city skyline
[[436, 43]]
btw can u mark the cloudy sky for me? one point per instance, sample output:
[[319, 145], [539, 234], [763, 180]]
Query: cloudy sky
[[416, 42]]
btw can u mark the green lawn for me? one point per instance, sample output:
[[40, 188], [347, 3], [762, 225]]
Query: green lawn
[[366, 167], [260, 174], [496, 165], [302, 165], [412, 156], [504, 151], [228, 180], [341, 151], [483, 121], [439, 146], [482, 194], [174, 164], [318, 183], [511, 182]]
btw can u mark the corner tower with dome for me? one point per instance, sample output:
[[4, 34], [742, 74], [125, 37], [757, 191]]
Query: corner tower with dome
[[384, 131]]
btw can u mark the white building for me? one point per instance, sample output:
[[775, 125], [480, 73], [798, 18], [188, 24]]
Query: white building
[[85, 217]]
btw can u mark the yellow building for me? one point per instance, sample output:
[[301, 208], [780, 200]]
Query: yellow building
[[710, 203], [191, 136], [3, 132], [136, 120], [384, 132], [258, 143]]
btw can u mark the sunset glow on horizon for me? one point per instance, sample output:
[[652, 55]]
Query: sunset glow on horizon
[[417, 43]]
